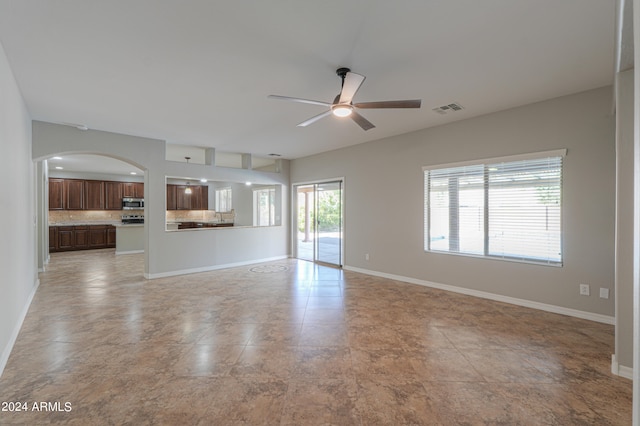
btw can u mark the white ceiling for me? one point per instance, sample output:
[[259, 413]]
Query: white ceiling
[[199, 72]]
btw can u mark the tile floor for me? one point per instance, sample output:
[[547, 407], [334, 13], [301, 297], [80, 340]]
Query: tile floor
[[293, 343]]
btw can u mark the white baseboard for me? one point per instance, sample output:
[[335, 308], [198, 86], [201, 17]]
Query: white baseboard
[[16, 330], [620, 370], [211, 268], [129, 252], [606, 319]]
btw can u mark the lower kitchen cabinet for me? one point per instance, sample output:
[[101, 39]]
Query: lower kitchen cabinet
[[65, 238], [111, 237], [81, 237], [98, 236], [53, 239]]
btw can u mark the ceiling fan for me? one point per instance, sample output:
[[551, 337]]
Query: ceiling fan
[[343, 106]]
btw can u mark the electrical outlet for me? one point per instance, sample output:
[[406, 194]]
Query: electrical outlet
[[604, 293], [366, 256], [584, 289]]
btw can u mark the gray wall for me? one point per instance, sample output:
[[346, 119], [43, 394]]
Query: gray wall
[[17, 211], [170, 253], [384, 199]]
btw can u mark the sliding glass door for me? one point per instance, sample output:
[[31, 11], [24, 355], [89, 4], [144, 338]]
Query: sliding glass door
[[319, 222]]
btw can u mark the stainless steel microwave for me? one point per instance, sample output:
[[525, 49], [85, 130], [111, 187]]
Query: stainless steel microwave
[[132, 203]]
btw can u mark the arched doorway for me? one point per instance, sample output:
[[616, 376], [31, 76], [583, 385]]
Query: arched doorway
[[80, 198]]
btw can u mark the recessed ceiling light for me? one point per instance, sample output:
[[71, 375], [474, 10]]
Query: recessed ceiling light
[[82, 127], [56, 158], [203, 180], [132, 173], [248, 183], [58, 168]]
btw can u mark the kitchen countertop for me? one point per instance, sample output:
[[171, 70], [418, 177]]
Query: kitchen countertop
[[207, 222], [85, 223]]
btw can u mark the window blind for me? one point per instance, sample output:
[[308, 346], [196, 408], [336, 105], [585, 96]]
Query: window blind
[[497, 208]]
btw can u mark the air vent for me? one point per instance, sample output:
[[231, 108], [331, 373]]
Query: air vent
[[445, 109]]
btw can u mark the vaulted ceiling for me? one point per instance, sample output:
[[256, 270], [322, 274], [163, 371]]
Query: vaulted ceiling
[[199, 72]]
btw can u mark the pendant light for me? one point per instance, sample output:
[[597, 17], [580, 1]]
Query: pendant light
[[187, 190]]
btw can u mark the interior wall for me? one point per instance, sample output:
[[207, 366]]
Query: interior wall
[[17, 211], [384, 200], [172, 253], [624, 222]]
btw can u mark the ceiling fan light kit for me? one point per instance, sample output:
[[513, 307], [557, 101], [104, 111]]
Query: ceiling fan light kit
[[343, 106], [341, 110]]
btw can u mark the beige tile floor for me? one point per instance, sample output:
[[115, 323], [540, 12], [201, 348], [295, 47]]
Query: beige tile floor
[[293, 343]]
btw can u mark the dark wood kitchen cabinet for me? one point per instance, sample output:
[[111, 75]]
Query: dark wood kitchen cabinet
[[112, 195], [183, 200], [204, 198], [178, 199], [78, 194], [133, 190], [93, 195], [65, 240], [56, 194], [81, 237], [111, 237], [53, 238], [98, 236], [171, 197], [74, 194]]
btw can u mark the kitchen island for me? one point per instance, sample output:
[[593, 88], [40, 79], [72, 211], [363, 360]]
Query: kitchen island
[[129, 238]]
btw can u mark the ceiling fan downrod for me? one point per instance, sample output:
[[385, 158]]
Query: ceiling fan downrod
[[342, 73]]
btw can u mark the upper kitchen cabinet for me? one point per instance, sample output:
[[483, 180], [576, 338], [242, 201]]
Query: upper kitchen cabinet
[[56, 194], [78, 194], [197, 199], [94, 195], [113, 195], [133, 190], [74, 194], [171, 197]]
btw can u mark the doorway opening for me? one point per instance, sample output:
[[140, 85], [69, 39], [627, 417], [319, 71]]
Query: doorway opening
[[319, 222]]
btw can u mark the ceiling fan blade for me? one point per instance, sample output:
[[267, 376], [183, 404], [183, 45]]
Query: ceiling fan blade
[[361, 121], [352, 83], [414, 103], [314, 119], [304, 101]]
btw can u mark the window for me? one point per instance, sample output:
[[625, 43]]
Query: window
[[508, 208], [223, 200], [264, 207]]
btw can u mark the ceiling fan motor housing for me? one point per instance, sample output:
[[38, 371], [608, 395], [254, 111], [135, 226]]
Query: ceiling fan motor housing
[[342, 72]]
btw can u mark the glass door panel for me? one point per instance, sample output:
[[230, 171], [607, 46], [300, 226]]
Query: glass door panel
[[329, 223], [319, 222], [305, 229]]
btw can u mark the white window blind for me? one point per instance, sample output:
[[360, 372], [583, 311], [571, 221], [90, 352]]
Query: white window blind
[[509, 208], [264, 207], [223, 200]]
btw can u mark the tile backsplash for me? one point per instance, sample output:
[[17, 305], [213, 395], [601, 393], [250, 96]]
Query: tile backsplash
[[83, 216], [191, 215]]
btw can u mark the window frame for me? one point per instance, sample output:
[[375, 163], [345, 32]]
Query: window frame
[[427, 228]]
